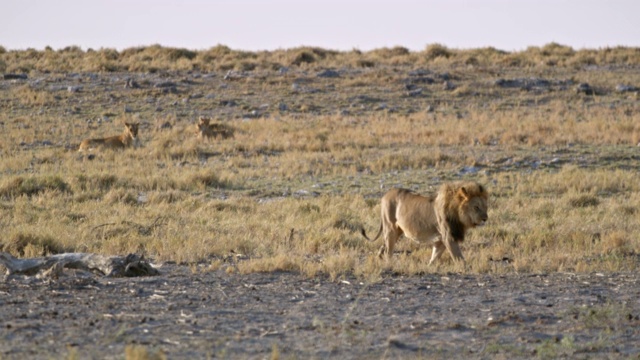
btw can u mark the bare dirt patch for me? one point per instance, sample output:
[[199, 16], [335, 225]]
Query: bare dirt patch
[[185, 313]]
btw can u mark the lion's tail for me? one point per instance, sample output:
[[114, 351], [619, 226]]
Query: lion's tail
[[364, 233]]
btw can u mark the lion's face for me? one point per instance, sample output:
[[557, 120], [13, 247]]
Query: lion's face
[[203, 121], [132, 130], [473, 208]]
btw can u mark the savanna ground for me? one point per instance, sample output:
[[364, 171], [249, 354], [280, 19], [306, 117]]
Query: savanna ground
[[259, 233]]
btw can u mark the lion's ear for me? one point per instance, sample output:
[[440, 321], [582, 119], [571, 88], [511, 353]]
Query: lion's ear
[[463, 194]]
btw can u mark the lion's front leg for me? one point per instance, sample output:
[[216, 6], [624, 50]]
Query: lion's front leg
[[453, 248]]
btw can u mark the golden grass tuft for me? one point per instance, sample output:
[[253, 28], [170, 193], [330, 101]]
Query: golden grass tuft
[[31, 245], [29, 186], [137, 352]]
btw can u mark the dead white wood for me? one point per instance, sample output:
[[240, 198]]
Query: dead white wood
[[114, 266]]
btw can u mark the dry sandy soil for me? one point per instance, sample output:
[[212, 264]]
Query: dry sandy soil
[[190, 313]]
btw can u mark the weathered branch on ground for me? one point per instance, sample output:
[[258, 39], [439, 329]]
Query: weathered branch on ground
[[113, 266]]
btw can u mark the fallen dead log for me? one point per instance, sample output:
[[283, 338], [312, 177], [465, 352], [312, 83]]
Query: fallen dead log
[[51, 266]]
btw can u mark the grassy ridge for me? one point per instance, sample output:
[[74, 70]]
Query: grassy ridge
[[222, 58]]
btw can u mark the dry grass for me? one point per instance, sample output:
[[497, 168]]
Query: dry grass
[[290, 190], [222, 58]]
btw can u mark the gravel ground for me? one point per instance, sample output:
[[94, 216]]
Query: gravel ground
[[211, 314]]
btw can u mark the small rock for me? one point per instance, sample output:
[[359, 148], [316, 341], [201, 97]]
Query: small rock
[[382, 106], [131, 84], [165, 126], [626, 88], [448, 85], [415, 92], [15, 76], [469, 170], [165, 84], [585, 89], [419, 72], [328, 74], [229, 103]]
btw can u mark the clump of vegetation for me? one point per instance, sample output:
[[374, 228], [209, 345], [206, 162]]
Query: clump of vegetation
[[30, 186], [31, 245]]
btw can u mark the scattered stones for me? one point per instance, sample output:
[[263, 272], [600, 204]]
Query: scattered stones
[[523, 83], [529, 312], [533, 83]]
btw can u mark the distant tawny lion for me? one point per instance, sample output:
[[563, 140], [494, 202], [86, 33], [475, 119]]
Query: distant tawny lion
[[441, 218], [205, 130], [128, 137]]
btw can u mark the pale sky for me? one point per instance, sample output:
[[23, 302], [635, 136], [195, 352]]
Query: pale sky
[[331, 24]]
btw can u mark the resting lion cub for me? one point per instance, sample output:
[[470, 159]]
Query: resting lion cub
[[442, 218], [128, 137], [205, 130]]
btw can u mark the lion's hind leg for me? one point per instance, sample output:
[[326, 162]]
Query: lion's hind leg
[[438, 250], [391, 235]]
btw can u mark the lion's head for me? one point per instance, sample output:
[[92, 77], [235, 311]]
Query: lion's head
[[203, 121], [467, 201]]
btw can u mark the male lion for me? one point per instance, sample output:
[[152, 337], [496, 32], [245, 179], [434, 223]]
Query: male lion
[[442, 218], [205, 130], [128, 137]]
